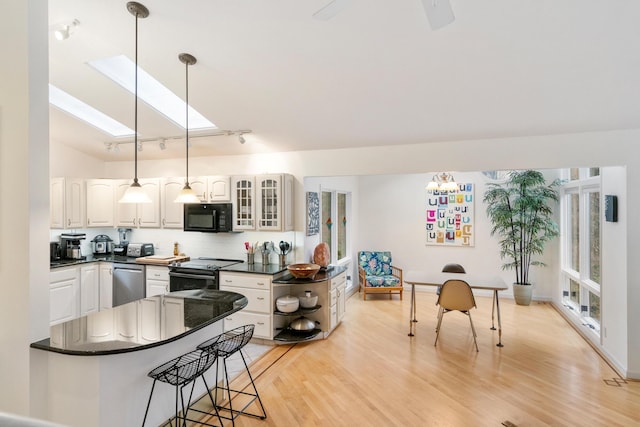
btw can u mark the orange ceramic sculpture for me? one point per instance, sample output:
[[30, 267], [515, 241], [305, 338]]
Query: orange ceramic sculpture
[[321, 255]]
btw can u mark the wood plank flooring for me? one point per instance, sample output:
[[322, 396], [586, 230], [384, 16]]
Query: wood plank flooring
[[370, 373]]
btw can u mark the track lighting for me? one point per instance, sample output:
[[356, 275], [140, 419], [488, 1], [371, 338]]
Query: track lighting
[[65, 30], [241, 139], [163, 144], [139, 146]]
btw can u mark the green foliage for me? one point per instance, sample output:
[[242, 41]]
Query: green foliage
[[520, 212]]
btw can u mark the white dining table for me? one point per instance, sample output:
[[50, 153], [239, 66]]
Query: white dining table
[[423, 278]]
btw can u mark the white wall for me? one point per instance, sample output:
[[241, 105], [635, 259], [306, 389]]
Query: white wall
[[24, 176]]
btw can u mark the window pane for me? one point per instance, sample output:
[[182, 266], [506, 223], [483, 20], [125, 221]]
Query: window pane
[[574, 291], [594, 237], [574, 174], [574, 249], [327, 221], [594, 306], [594, 171], [342, 225]]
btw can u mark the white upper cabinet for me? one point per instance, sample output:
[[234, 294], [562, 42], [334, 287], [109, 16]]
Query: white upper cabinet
[[138, 214], [67, 203], [274, 207], [243, 197], [100, 200], [219, 188], [262, 202], [199, 185], [172, 213]]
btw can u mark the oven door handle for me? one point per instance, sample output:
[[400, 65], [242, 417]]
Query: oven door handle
[[191, 276]]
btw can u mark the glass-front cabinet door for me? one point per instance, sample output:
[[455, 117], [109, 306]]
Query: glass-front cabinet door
[[269, 202], [243, 199]]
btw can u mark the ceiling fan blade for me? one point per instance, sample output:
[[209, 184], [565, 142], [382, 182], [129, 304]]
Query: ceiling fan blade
[[331, 9], [439, 13]]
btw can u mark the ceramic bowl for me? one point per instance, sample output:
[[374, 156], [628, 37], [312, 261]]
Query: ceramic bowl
[[308, 301], [287, 304], [303, 271]]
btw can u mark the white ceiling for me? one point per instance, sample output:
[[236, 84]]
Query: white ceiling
[[375, 74]]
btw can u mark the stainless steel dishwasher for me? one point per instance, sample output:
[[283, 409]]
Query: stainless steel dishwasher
[[128, 283]]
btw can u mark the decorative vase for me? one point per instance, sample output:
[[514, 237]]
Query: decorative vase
[[321, 255], [522, 293]]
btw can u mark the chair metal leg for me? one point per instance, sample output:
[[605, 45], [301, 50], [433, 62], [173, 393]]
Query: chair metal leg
[[438, 327], [264, 413], [146, 412], [473, 329]]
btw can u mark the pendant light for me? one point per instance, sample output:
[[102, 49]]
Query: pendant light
[[135, 193], [187, 195]]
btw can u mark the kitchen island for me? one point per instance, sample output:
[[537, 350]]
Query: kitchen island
[[94, 369], [263, 284]]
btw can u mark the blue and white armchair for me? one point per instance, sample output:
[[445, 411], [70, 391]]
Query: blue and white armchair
[[377, 274]]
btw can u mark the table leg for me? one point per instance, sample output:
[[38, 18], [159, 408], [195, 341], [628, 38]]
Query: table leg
[[493, 310], [495, 292], [412, 311]]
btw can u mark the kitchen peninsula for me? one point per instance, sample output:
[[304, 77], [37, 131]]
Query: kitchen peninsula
[[95, 367]]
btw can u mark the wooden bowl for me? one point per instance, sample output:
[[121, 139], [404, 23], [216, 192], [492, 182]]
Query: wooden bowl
[[303, 271]]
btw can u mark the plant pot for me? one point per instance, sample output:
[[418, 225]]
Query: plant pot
[[522, 293]]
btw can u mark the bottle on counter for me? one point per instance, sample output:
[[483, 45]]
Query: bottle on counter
[[176, 252]]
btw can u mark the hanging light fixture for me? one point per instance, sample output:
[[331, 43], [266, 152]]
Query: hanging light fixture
[[443, 182], [135, 193], [187, 195]]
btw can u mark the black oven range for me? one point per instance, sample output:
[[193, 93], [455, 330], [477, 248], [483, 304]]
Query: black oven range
[[199, 273]]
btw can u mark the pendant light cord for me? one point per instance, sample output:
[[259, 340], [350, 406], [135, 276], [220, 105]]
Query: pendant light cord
[[135, 113], [187, 117]]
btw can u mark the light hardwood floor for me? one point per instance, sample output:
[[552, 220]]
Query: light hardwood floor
[[370, 373]]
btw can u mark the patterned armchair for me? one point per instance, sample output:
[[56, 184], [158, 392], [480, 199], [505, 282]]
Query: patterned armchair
[[377, 275]]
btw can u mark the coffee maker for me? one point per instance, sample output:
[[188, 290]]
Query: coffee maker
[[121, 248], [70, 245]]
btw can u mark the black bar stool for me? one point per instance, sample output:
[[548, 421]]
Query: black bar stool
[[179, 372], [225, 345]]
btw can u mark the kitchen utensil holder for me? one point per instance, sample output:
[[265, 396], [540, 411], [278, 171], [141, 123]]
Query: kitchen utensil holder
[[282, 259], [265, 258], [250, 259]]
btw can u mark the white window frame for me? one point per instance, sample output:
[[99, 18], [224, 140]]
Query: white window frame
[[347, 259], [583, 187]]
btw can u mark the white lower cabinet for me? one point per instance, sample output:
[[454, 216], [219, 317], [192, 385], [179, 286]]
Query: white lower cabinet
[[157, 282], [257, 289], [338, 303], [149, 325], [89, 289], [106, 285], [64, 294], [173, 317]]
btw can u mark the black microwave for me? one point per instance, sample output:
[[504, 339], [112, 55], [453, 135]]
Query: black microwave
[[208, 217]]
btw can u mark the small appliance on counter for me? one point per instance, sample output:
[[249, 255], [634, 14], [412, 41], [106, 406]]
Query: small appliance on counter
[[70, 245], [139, 249], [121, 248], [54, 251], [102, 245]]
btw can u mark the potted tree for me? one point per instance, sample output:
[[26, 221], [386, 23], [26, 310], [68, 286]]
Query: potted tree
[[521, 214]]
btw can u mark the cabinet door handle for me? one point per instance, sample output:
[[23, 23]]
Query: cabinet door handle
[[164, 221], [211, 195], [134, 221], [69, 221], [260, 323], [88, 221], [230, 319], [260, 298], [260, 283]]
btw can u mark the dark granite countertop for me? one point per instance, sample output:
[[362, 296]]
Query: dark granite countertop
[[92, 258], [201, 308], [322, 275]]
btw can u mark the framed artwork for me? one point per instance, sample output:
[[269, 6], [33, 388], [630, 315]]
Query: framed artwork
[[449, 216], [313, 213]]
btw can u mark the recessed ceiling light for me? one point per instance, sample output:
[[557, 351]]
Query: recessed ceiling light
[[79, 109], [121, 69]]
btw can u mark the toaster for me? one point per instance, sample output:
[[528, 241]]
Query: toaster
[[139, 249]]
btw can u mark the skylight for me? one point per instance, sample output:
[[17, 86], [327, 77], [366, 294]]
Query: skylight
[[121, 70], [79, 109]]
